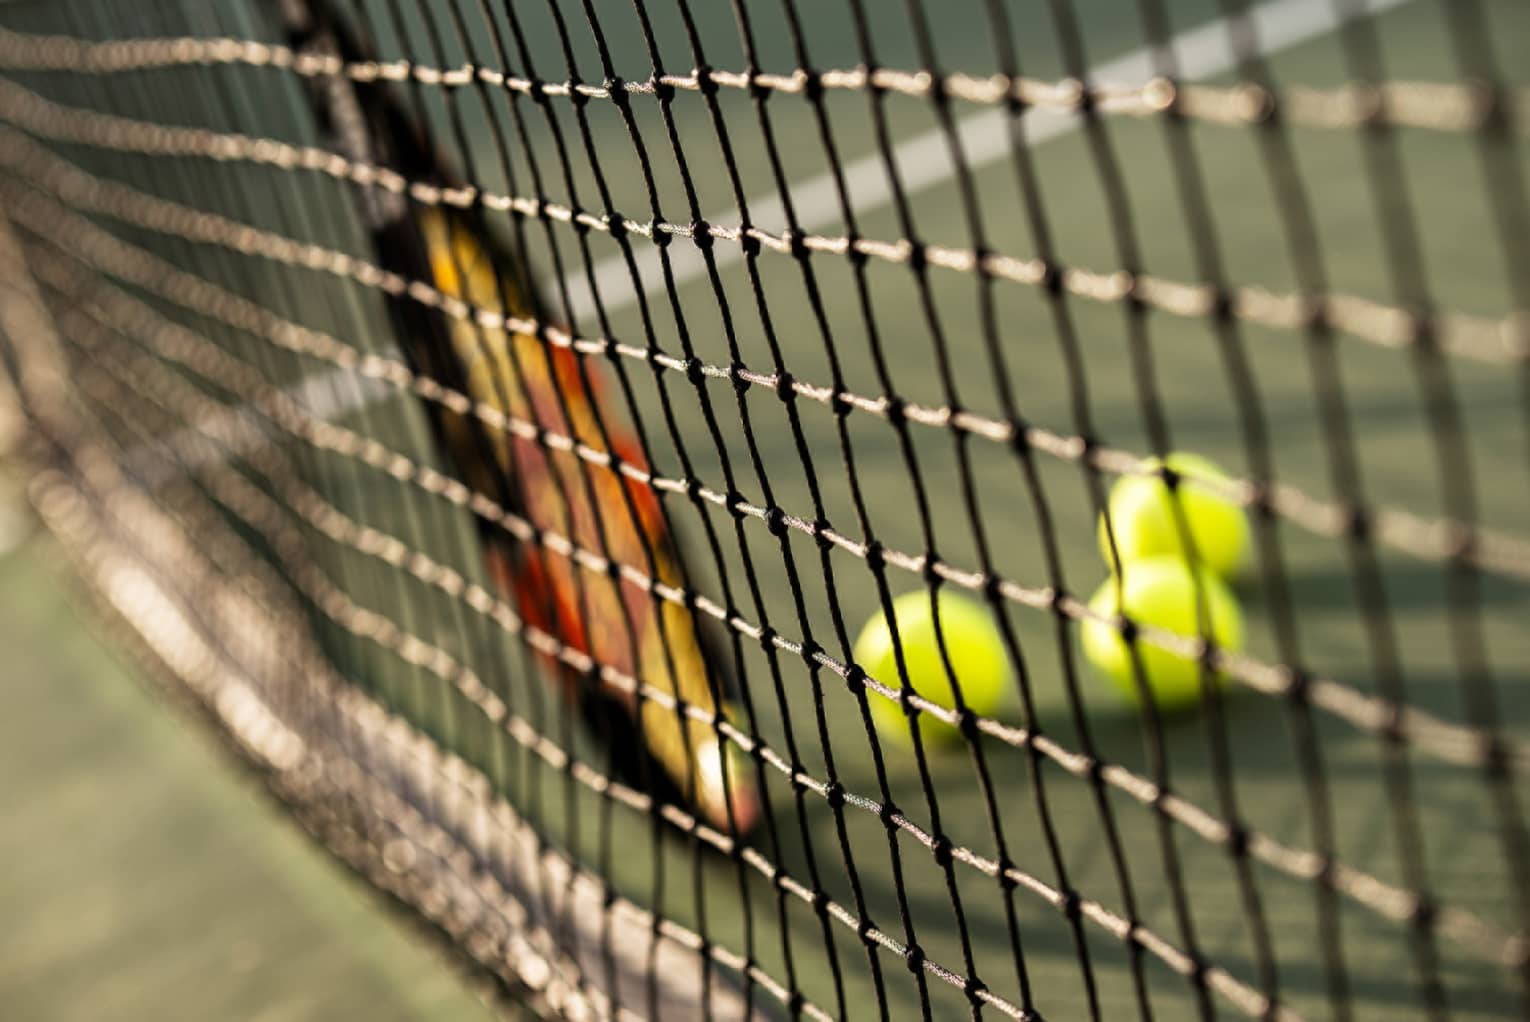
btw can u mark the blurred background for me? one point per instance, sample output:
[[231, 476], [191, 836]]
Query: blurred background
[[140, 878]]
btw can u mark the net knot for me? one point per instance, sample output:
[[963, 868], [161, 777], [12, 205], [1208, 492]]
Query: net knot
[[822, 533], [1094, 772], [1392, 730], [940, 850], [616, 89], [1315, 317], [1237, 840], [834, 795], [577, 96], [1070, 904], [875, 557], [695, 371], [1221, 310], [1423, 334], [1495, 758], [915, 958], [1298, 685], [706, 82], [737, 505], [1357, 524], [930, 570], [663, 91], [855, 251], [810, 651], [768, 639], [775, 521], [736, 374], [888, 813], [812, 85], [918, 257], [1049, 278], [1260, 499], [701, 234]]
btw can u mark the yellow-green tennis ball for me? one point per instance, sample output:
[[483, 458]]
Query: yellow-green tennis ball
[[1160, 592], [972, 641], [1142, 515]]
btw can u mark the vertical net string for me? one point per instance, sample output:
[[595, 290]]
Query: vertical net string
[[1503, 176], [1348, 481], [1396, 220]]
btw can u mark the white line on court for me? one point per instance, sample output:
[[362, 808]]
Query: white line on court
[[923, 161], [241, 429]]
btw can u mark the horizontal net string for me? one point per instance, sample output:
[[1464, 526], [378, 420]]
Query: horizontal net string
[[1430, 539], [1450, 742], [1497, 341], [173, 343], [1437, 106]]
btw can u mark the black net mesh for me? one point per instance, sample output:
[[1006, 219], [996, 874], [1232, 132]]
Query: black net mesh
[[499, 420]]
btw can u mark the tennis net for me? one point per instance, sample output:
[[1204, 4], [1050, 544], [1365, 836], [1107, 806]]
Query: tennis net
[[497, 421]]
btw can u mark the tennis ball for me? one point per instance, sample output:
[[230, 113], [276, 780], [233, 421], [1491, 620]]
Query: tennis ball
[[972, 641], [1142, 515], [1159, 591]]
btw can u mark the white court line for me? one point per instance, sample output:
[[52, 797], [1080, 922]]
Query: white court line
[[241, 429], [923, 162]]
